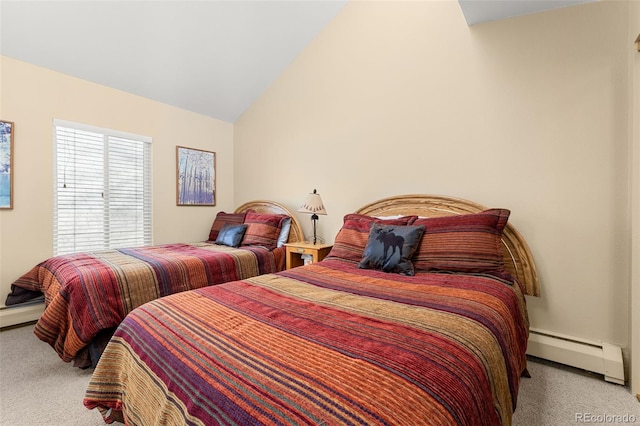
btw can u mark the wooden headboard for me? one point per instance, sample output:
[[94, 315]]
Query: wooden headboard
[[517, 256], [266, 206]]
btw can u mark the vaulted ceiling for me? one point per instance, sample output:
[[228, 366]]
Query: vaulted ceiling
[[211, 57]]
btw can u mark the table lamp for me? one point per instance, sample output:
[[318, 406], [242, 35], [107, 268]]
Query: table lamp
[[313, 205]]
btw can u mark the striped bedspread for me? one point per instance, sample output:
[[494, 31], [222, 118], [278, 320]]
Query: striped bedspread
[[324, 344], [89, 292]]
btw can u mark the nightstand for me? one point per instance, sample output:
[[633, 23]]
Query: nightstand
[[296, 250]]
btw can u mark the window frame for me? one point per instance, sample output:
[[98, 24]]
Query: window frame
[[110, 139]]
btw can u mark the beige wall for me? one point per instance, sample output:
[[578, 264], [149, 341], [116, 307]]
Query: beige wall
[[529, 113], [634, 113], [32, 97]]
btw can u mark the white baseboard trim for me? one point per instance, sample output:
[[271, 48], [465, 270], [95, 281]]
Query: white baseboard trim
[[20, 315], [598, 357]]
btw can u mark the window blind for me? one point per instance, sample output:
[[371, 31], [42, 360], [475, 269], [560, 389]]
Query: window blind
[[102, 195]]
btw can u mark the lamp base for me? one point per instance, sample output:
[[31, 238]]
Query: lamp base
[[319, 240], [314, 219]]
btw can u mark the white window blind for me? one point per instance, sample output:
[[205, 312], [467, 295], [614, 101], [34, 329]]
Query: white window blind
[[102, 195]]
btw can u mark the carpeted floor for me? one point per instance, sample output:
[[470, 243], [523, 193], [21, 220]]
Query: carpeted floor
[[37, 388], [557, 395]]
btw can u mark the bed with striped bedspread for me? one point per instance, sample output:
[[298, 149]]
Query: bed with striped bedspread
[[88, 293], [324, 344]]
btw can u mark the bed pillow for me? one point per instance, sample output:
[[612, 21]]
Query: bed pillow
[[231, 235], [222, 219], [462, 243], [390, 248], [352, 238], [284, 232], [263, 229]]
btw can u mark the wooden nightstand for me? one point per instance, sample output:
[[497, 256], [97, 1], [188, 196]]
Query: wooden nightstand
[[296, 250]]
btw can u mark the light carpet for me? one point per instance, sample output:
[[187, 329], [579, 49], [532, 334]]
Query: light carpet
[[37, 388]]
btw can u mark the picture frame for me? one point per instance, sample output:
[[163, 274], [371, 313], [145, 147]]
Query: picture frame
[[7, 130], [195, 177]]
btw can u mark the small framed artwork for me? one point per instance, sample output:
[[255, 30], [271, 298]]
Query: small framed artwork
[[195, 177], [6, 164]]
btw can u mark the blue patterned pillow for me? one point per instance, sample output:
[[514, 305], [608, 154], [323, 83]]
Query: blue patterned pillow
[[231, 235], [390, 248]]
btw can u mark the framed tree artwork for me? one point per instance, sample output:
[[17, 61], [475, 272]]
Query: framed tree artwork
[[195, 177], [6, 164]]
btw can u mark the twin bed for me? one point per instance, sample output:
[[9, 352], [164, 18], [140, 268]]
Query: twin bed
[[433, 334], [87, 295]]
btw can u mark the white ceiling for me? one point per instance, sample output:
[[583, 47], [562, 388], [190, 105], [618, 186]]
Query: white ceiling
[[213, 57], [479, 11]]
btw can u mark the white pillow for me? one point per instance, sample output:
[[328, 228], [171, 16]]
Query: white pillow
[[284, 232]]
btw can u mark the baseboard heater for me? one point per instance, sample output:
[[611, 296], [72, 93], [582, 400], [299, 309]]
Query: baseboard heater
[[16, 315], [598, 357]]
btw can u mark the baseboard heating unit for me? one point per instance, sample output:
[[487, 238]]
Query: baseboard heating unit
[[16, 315], [598, 357]]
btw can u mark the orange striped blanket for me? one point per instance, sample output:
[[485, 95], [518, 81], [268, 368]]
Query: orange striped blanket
[[323, 344], [87, 293]]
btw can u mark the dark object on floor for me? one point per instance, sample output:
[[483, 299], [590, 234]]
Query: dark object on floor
[[89, 356], [21, 295]]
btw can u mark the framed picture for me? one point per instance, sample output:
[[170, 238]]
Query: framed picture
[[196, 177], [6, 164]]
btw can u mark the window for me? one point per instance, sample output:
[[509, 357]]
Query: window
[[102, 195]]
